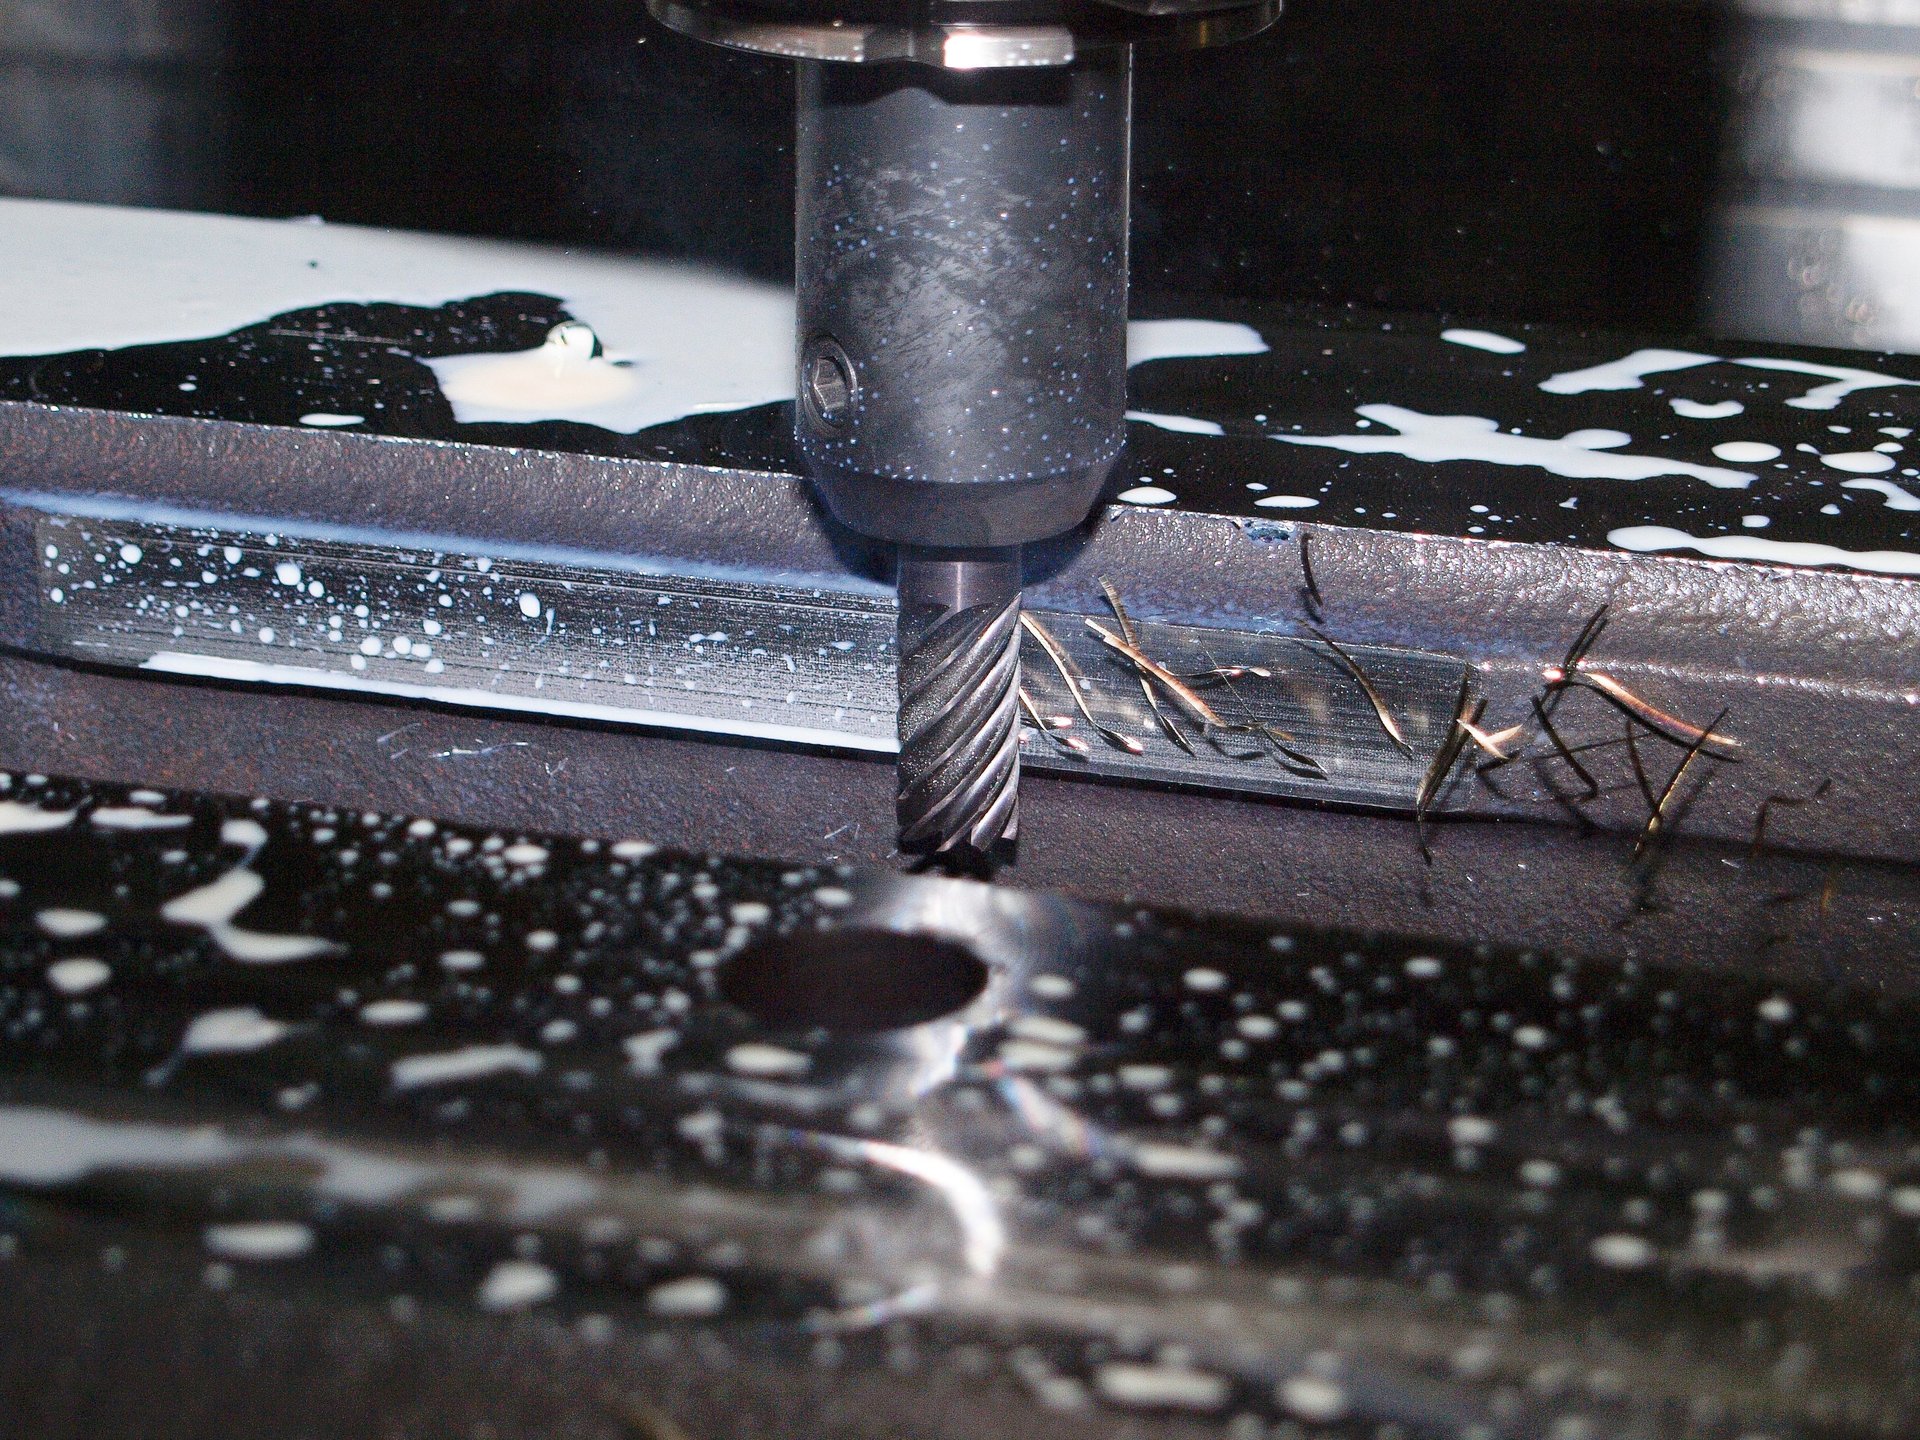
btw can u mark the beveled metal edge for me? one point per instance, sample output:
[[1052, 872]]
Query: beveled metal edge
[[1822, 666]]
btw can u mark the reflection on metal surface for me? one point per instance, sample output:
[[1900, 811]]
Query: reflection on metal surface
[[1188, 1173], [983, 1235], [810, 666], [758, 659]]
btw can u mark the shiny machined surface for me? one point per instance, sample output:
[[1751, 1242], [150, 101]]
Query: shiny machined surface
[[275, 1071], [802, 665]]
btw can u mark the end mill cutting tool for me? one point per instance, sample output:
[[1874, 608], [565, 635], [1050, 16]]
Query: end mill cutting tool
[[961, 265]]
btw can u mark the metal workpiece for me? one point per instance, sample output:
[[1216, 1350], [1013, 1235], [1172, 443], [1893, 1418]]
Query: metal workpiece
[[1479, 508], [1809, 660], [316, 1116], [961, 258], [1814, 675]]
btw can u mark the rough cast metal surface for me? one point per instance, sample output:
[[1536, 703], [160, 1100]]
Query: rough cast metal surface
[[282, 1070]]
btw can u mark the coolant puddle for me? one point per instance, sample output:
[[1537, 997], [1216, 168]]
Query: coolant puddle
[[1404, 425]]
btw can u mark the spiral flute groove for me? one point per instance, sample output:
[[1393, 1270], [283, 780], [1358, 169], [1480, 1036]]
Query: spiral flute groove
[[959, 726]]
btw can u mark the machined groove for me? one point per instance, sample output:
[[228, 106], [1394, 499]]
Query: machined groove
[[806, 666]]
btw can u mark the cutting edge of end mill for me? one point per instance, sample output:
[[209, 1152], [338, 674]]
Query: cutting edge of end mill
[[959, 776]]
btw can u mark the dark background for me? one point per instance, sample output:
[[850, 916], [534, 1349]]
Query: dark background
[[1502, 159]]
